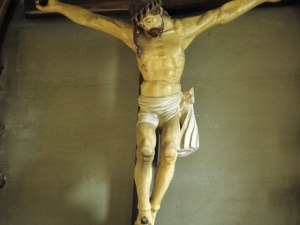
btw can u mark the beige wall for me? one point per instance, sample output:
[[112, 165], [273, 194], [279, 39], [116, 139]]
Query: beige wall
[[69, 102]]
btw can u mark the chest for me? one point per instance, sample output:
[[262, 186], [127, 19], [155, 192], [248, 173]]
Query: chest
[[170, 44]]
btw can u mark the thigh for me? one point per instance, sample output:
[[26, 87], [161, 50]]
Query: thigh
[[170, 134], [145, 135]]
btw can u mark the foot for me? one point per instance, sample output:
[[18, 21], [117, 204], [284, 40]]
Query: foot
[[144, 217]]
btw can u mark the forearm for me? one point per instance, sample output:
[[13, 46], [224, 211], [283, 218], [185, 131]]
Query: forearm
[[224, 14], [236, 8], [114, 27], [74, 13]]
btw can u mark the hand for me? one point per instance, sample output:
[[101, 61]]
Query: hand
[[48, 6]]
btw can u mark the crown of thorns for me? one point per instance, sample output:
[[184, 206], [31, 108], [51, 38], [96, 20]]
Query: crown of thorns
[[141, 8]]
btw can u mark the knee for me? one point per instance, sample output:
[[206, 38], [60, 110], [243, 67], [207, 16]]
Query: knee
[[145, 153], [169, 153]]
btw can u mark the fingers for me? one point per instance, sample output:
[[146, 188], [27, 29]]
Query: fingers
[[37, 4]]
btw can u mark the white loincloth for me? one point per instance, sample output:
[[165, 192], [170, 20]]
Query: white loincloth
[[158, 110]]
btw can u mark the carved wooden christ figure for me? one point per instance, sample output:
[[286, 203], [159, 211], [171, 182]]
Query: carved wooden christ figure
[[159, 42]]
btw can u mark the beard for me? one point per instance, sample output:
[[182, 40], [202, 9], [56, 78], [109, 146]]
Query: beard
[[156, 32]]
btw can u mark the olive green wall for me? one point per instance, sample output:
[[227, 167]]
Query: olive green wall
[[69, 100]]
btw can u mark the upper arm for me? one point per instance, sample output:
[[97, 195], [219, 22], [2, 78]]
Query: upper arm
[[226, 13], [195, 25], [115, 27]]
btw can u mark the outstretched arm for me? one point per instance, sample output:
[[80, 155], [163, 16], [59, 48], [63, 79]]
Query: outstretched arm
[[226, 13], [114, 27]]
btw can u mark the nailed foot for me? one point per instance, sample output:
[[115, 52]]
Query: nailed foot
[[144, 220], [144, 217]]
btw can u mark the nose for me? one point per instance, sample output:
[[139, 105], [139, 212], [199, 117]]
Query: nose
[[147, 27]]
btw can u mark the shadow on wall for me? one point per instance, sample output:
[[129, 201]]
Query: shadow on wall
[[2, 179], [53, 176], [287, 199], [2, 128], [78, 201]]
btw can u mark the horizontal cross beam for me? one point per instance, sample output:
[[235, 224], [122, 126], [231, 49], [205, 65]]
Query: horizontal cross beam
[[110, 7]]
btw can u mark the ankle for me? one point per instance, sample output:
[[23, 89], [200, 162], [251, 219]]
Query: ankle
[[144, 208], [155, 208]]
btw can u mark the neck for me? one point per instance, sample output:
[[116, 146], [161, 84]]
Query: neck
[[168, 22]]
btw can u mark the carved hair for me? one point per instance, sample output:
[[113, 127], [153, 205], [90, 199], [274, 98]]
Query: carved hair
[[136, 34], [138, 10], [141, 8]]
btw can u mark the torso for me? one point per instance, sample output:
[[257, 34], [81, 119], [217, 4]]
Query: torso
[[163, 62]]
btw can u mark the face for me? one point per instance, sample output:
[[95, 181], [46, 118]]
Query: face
[[152, 24]]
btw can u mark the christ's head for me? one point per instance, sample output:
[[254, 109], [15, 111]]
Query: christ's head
[[152, 24], [147, 17]]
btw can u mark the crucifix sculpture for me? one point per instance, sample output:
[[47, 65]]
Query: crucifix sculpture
[[159, 42]]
